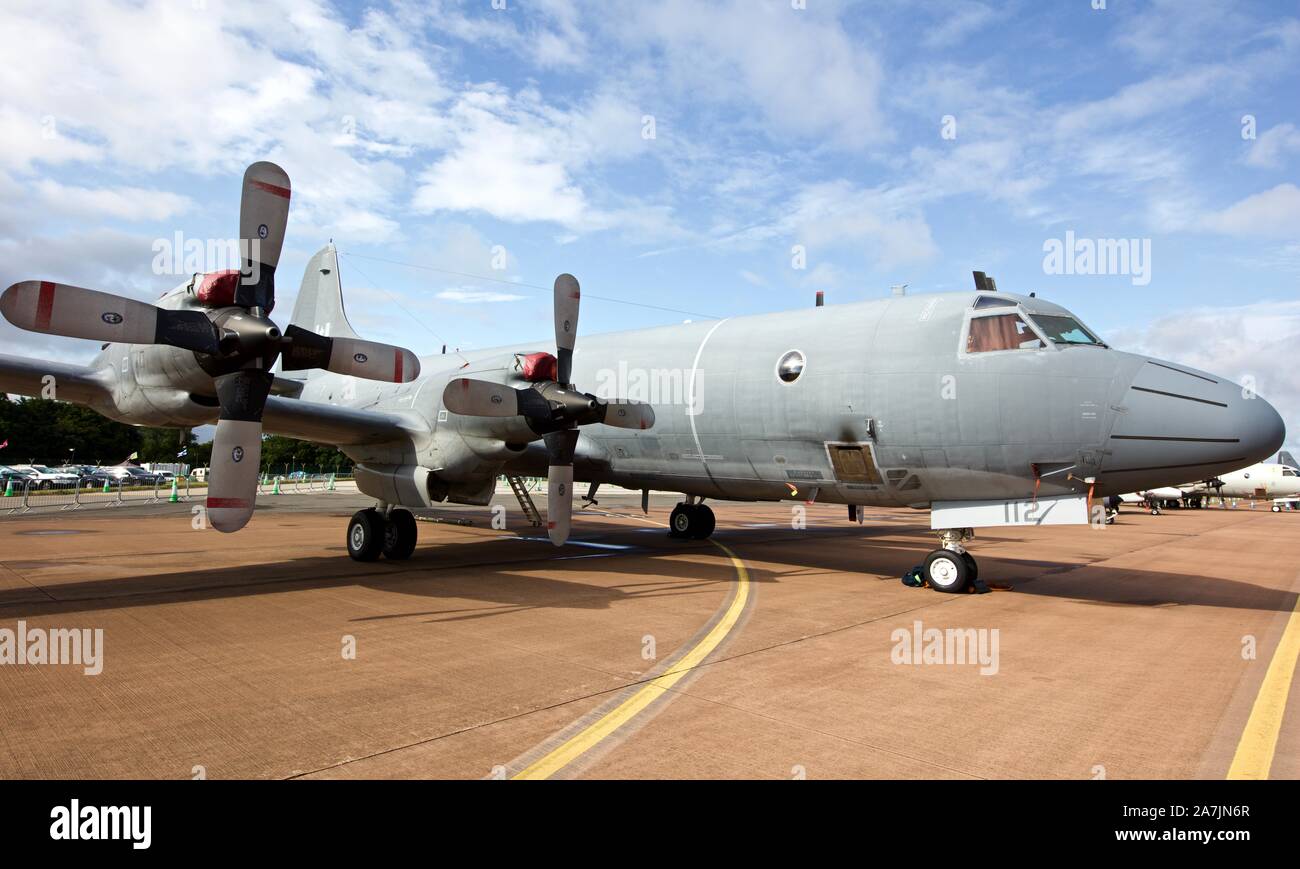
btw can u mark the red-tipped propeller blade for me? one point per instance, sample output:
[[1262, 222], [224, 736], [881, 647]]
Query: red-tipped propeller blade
[[350, 356], [469, 397], [622, 413], [237, 448], [559, 486], [263, 215], [60, 309]]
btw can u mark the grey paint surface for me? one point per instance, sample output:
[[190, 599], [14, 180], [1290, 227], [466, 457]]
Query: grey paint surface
[[889, 379]]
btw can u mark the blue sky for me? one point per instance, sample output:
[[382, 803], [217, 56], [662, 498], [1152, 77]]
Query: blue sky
[[447, 134]]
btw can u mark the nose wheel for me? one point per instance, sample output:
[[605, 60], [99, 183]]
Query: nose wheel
[[371, 534], [951, 568], [691, 522]]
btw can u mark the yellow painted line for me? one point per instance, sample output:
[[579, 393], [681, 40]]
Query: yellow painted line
[[586, 739], [1254, 755]]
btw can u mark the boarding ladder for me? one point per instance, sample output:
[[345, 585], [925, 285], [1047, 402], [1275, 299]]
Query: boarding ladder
[[525, 500]]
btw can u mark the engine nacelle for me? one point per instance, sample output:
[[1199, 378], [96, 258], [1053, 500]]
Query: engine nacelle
[[409, 485]]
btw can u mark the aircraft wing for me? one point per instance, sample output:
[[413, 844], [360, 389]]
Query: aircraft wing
[[77, 383], [328, 423]]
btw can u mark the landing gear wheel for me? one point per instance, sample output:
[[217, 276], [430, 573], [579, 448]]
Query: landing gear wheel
[[970, 563], [683, 521], [400, 534], [1277, 508], [947, 571], [365, 535], [704, 522]]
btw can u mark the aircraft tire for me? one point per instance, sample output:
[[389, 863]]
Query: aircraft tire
[[365, 535], [974, 567], [399, 535], [704, 522], [1277, 509], [683, 521], [946, 571]]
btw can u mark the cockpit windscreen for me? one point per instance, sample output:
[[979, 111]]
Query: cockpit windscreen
[[1065, 330]]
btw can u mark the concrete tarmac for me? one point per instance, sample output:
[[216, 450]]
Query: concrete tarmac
[[1155, 647]]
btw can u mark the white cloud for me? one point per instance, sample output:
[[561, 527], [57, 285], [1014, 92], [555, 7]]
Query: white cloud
[[475, 297], [1273, 145], [126, 203], [1274, 212], [798, 68], [508, 170], [957, 22]]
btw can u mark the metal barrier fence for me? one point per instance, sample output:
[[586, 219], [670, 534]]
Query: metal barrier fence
[[27, 495]]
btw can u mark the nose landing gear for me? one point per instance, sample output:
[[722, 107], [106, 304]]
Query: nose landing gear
[[951, 568], [388, 532]]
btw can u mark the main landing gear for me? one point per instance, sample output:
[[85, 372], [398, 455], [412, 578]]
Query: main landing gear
[[391, 533], [951, 568], [690, 521]]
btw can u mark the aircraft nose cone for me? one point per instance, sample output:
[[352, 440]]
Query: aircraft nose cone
[[1264, 430], [1177, 425]]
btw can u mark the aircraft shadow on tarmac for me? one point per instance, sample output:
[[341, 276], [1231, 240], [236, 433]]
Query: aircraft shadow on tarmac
[[507, 575]]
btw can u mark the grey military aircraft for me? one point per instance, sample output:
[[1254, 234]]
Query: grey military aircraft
[[985, 407]]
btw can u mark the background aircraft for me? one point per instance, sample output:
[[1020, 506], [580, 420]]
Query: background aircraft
[[1263, 480], [989, 408]]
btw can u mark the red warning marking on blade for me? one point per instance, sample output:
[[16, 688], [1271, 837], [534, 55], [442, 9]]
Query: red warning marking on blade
[[44, 306], [232, 503], [550, 525], [397, 366], [282, 192]]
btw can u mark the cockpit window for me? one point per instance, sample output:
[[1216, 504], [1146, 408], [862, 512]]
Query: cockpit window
[[1065, 330], [1287, 472], [992, 302], [1000, 332]]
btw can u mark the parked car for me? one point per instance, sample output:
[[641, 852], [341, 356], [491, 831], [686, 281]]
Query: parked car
[[44, 477], [130, 475], [9, 475]]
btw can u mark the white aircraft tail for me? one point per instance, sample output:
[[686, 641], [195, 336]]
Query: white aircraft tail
[[320, 302]]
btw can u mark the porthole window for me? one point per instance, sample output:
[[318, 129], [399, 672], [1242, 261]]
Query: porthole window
[[790, 366]]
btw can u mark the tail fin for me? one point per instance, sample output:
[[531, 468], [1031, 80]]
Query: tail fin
[[320, 301], [1285, 458]]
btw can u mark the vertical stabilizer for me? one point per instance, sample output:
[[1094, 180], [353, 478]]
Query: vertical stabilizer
[[320, 299]]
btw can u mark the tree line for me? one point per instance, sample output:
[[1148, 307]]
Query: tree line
[[43, 432]]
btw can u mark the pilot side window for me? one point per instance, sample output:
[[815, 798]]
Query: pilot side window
[[1000, 332]]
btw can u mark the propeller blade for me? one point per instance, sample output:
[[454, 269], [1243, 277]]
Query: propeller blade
[[567, 295], [628, 414], [559, 488], [350, 356], [60, 309], [263, 214], [237, 448], [480, 398]]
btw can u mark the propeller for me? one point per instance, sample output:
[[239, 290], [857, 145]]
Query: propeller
[[553, 408], [231, 336]]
